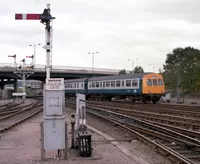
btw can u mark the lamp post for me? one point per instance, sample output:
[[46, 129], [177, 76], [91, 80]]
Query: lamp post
[[132, 64], [93, 58], [34, 52]]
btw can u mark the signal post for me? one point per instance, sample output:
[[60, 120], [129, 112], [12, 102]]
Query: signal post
[[54, 128], [23, 72]]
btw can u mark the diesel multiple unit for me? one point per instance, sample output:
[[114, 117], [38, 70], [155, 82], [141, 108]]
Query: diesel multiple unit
[[138, 87]]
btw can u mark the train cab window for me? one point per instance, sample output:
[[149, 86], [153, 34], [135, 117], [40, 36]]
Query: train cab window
[[122, 83], [93, 84], [100, 84], [97, 84], [160, 82], [155, 82], [118, 83], [107, 83], [128, 83], [149, 82], [112, 83], [134, 83], [104, 84]]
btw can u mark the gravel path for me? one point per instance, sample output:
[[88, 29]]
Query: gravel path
[[21, 145], [138, 148]]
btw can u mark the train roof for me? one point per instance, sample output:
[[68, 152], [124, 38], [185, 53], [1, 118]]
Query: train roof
[[124, 76], [76, 80]]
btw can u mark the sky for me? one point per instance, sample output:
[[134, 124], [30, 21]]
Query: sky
[[144, 31]]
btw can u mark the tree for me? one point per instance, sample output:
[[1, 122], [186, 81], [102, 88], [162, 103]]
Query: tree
[[138, 69], [182, 69], [123, 71]]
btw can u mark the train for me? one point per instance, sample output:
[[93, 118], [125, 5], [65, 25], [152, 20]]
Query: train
[[145, 87]]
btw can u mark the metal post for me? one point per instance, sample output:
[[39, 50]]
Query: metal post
[[72, 126], [133, 66], [15, 62], [34, 51], [93, 62], [178, 91], [24, 85], [34, 54], [48, 48], [24, 80], [66, 140], [92, 59], [42, 141]]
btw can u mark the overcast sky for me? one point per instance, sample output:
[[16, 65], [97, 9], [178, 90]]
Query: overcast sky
[[118, 29]]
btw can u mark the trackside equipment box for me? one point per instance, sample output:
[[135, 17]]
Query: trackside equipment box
[[54, 97], [54, 133], [54, 121]]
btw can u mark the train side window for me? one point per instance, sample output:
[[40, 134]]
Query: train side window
[[82, 85], [160, 82], [128, 83], [155, 82], [100, 84], [97, 84], [134, 83], [149, 82], [122, 83], [112, 83], [77, 85], [107, 83], [118, 83], [90, 85], [104, 84], [93, 84]]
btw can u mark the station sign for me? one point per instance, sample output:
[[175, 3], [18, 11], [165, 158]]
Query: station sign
[[55, 84]]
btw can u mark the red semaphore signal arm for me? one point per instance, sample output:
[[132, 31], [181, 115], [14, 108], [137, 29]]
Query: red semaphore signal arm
[[27, 16]]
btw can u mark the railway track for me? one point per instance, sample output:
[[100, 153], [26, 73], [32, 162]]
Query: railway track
[[184, 121], [176, 145], [173, 118], [9, 119], [182, 118], [14, 109], [169, 123], [11, 104]]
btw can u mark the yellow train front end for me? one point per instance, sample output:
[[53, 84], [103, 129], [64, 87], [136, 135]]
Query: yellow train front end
[[152, 87]]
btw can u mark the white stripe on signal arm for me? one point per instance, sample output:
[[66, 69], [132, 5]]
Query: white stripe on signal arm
[[24, 16]]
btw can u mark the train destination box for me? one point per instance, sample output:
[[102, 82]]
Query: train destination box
[[54, 97]]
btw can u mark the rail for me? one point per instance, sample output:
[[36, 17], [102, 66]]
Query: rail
[[176, 145]]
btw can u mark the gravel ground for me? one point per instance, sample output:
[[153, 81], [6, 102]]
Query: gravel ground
[[138, 148], [21, 145]]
